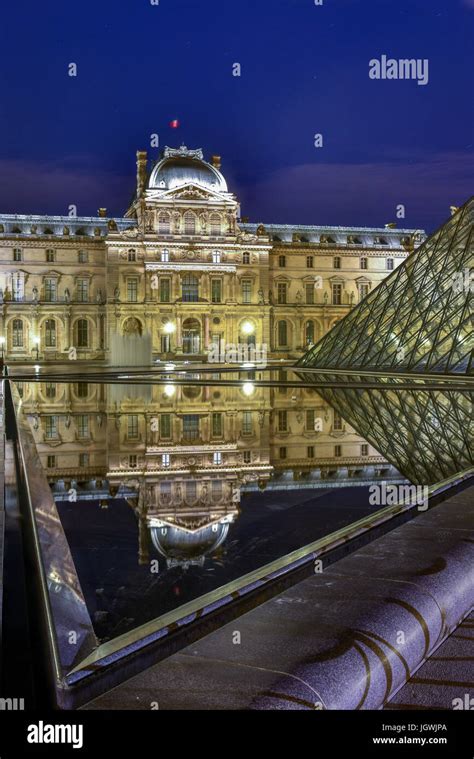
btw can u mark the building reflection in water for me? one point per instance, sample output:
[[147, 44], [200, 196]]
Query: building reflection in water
[[183, 456]]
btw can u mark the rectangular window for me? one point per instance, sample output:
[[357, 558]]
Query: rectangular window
[[190, 427], [337, 421], [247, 457], [82, 390], [336, 262], [216, 424], [282, 421], [282, 262], [310, 452], [165, 492], [165, 426], [282, 453], [82, 423], [50, 256], [83, 459], [166, 343], [50, 390], [364, 449], [247, 426], [217, 457], [216, 290], [389, 264], [17, 254], [51, 462], [164, 224], [337, 295], [132, 461], [309, 262], [165, 460], [216, 254], [18, 286], [165, 289], [132, 256], [165, 256], [132, 289], [310, 420], [281, 292], [363, 291], [50, 289], [132, 426], [246, 291], [83, 257], [309, 293], [51, 427], [337, 451], [282, 378], [246, 257], [83, 290], [363, 263]]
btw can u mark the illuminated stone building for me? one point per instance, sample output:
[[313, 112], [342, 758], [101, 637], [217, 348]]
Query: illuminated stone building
[[182, 266]]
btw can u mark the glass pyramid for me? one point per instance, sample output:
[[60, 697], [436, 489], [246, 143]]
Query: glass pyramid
[[424, 432], [419, 319]]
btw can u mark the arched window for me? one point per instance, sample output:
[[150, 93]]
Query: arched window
[[82, 333], [309, 333], [50, 333], [189, 223], [246, 257], [190, 288], [215, 224], [17, 333], [282, 333], [164, 224]]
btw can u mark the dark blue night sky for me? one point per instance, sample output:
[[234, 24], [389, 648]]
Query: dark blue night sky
[[68, 140]]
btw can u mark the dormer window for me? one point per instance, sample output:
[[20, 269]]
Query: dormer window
[[380, 241]]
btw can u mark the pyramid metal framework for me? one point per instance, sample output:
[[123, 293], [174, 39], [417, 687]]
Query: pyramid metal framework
[[424, 433], [419, 319]]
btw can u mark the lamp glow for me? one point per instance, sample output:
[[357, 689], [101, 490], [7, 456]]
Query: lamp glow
[[169, 390], [169, 328], [247, 328], [248, 388], [36, 340]]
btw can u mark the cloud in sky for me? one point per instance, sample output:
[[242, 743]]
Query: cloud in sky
[[363, 194]]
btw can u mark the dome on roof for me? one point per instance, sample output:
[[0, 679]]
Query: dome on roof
[[180, 167]]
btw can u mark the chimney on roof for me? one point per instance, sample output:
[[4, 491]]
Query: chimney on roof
[[453, 209], [102, 212], [141, 172], [216, 161]]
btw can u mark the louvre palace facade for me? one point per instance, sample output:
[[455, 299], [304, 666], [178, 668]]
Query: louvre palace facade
[[183, 266]]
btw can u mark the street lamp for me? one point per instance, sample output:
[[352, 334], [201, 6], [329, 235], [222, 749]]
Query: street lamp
[[36, 341]]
